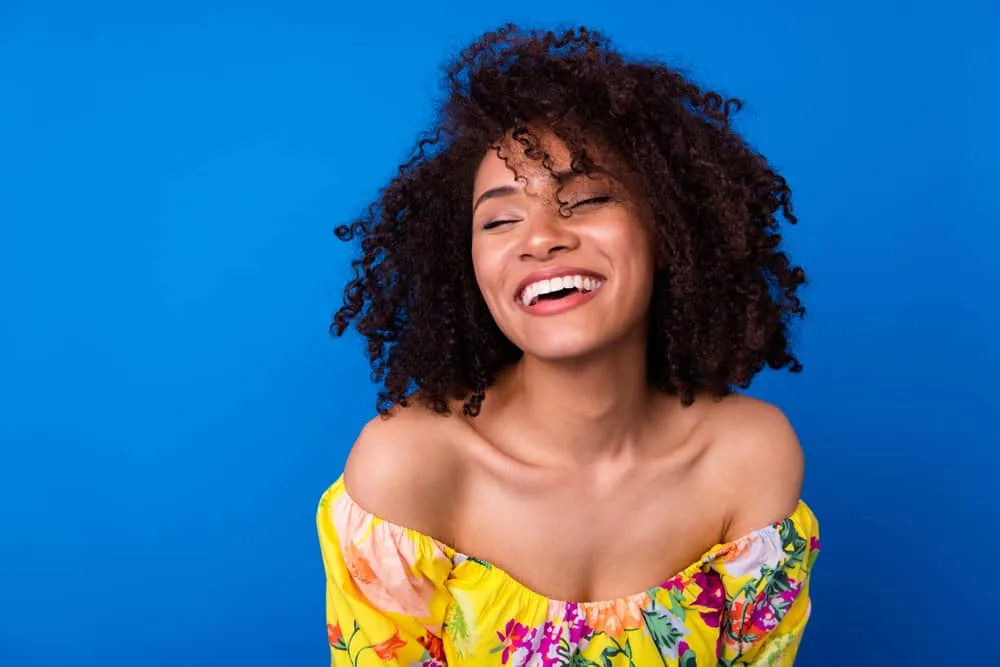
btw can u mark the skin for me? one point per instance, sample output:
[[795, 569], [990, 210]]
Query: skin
[[577, 491]]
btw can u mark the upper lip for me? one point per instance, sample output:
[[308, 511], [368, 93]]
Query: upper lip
[[554, 273]]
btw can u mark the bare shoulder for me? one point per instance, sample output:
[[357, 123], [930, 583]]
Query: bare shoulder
[[760, 462], [403, 466]]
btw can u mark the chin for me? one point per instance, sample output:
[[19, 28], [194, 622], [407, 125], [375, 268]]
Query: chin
[[563, 348]]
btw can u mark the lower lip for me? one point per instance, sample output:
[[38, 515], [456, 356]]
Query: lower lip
[[556, 306]]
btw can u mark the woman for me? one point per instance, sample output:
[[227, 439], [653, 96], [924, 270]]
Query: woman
[[561, 292]]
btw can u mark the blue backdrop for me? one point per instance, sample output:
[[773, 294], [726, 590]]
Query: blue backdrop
[[171, 406]]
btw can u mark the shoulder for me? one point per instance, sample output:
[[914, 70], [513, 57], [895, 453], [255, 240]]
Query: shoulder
[[759, 460], [403, 467]]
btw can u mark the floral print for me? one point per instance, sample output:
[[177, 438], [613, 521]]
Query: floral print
[[616, 617], [398, 597], [395, 586]]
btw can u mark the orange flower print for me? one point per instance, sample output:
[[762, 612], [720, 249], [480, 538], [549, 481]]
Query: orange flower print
[[617, 616], [386, 650], [745, 628], [434, 646], [733, 550], [334, 633], [359, 567]]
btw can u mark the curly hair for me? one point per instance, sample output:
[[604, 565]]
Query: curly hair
[[723, 294]]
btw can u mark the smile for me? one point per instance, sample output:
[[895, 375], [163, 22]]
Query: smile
[[555, 294]]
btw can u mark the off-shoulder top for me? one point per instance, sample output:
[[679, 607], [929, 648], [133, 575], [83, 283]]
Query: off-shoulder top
[[395, 596]]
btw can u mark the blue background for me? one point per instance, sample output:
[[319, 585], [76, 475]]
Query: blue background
[[171, 406]]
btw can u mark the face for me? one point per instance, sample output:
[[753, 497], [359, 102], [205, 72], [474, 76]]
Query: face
[[560, 287]]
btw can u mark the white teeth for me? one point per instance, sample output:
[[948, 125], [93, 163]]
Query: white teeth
[[583, 283]]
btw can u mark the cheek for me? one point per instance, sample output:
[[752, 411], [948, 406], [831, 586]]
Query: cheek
[[629, 246], [487, 273], [639, 241]]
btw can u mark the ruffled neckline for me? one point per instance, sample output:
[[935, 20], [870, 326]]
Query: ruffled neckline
[[802, 514]]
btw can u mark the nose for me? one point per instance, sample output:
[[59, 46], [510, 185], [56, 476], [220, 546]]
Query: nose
[[547, 234]]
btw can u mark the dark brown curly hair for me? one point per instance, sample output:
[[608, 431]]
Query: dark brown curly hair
[[723, 295]]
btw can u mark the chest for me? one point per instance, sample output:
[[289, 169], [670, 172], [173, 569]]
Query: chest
[[575, 542]]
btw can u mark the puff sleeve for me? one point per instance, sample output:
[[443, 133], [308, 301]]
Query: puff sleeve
[[766, 578], [385, 588]]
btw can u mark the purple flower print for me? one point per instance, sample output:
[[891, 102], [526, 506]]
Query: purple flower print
[[514, 638], [712, 597]]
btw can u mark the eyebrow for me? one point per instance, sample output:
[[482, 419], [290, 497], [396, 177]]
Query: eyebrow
[[507, 190], [493, 193]]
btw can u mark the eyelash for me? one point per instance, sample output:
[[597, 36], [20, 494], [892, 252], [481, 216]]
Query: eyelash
[[603, 199]]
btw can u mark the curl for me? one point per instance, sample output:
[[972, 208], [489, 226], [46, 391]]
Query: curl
[[725, 293]]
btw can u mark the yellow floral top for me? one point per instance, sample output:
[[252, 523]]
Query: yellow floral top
[[398, 597]]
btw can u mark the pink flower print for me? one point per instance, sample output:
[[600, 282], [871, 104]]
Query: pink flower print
[[788, 597], [763, 619], [768, 613], [579, 631], [686, 657], [546, 654], [675, 583], [380, 558]]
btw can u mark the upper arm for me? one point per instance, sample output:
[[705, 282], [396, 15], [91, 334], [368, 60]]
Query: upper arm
[[385, 592], [767, 608], [764, 465], [400, 468]]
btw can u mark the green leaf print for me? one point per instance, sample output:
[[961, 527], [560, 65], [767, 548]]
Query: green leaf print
[[778, 583], [574, 659], [457, 627], [791, 537], [676, 602], [562, 652], [773, 653], [577, 660], [812, 559], [352, 654], [609, 653], [689, 659], [663, 632]]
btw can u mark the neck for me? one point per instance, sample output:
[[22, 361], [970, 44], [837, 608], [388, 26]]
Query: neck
[[586, 410]]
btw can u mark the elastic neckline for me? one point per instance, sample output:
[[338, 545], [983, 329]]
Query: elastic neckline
[[710, 554]]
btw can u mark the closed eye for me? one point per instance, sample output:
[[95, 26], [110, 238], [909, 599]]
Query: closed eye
[[594, 201], [493, 224]]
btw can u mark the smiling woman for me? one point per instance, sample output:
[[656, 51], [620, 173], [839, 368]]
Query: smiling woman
[[532, 228], [562, 293]]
